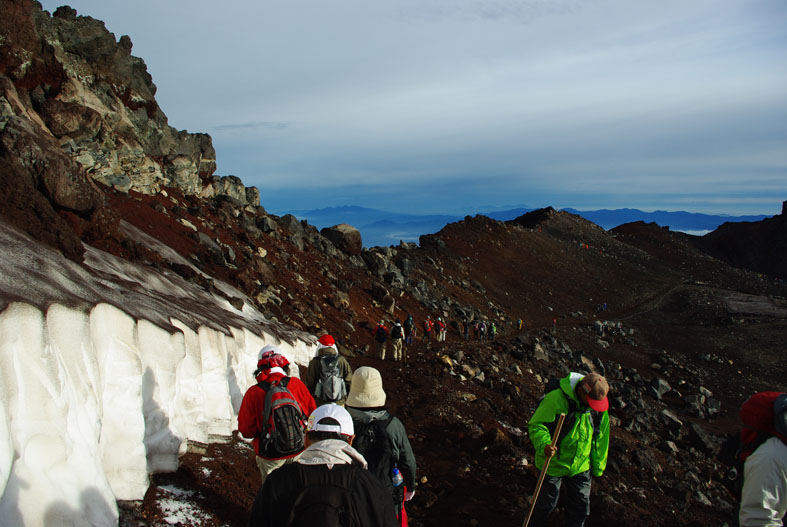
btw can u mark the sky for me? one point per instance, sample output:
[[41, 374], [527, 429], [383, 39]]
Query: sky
[[462, 106]]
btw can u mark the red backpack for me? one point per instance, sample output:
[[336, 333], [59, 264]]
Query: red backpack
[[284, 435], [764, 415]]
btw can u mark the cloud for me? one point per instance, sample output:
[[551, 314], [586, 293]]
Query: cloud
[[266, 125]]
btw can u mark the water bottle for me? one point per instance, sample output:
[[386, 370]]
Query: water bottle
[[397, 478]]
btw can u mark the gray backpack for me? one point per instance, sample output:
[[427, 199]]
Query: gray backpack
[[330, 387]]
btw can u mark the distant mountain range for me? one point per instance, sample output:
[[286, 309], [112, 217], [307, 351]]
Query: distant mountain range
[[382, 228]]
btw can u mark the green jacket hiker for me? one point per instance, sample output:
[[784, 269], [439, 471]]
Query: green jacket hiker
[[581, 450]]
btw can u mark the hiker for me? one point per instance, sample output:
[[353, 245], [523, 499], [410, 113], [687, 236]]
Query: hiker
[[409, 327], [482, 331], [492, 330], [476, 327], [273, 446], [440, 330], [381, 437], [519, 324], [328, 485], [397, 339], [428, 325], [329, 374], [581, 450], [381, 338], [764, 495], [466, 328]]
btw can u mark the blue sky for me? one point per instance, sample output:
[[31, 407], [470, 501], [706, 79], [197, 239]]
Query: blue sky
[[431, 106]]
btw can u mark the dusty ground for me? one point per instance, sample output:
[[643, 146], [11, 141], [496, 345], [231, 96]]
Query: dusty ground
[[717, 325]]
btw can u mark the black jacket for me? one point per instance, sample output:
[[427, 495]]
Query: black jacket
[[276, 498]]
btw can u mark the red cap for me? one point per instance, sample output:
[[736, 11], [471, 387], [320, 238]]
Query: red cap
[[327, 341], [595, 388]]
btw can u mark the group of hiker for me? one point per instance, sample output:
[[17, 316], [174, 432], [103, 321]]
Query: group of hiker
[[328, 450], [330, 453], [403, 334]]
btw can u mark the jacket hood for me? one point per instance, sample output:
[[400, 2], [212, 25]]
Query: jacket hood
[[331, 452], [569, 383], [271, 375], [327, 350]]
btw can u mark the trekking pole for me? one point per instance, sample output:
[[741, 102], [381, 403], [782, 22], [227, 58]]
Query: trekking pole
[[555, 437]]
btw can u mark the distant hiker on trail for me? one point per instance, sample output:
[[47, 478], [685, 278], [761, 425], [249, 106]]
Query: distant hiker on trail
[[381, 338], [466, 328], [519, 325], [428, 325], [381, 438], [440, 330], [482, 331], [764, 495], [581, 450], [273, 412], [329, 374], [409, 327], [329, 485], [397, 339], [476, 329], [492, 330]]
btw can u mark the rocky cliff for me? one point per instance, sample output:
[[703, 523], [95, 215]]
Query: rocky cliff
[[82, 108]]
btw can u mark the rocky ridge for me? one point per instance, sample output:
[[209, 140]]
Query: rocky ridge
[[682, 339]]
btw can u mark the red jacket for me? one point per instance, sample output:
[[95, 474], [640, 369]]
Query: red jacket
[[250, 415]]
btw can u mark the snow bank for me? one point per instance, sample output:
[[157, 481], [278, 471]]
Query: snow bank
[[94, 403], [107, 372]]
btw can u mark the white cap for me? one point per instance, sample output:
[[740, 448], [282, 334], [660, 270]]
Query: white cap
[[264, 350], [335, 412]]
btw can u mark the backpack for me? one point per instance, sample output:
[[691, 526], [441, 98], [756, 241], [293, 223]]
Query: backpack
[[324, 499], [372, 441], [380, 335], [396, 332], [408, 324], [427, 326], [283, 419], [330, 386], [571, 416], [764, 415]]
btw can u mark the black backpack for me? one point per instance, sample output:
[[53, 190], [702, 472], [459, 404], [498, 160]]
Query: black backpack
[[573, 410], [283, 419], [330, 386], [325, 499], [372, 441], [396, 332], [381, 335]]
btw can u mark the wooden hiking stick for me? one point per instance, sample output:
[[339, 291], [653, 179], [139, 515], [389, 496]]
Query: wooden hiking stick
[[555, 437]]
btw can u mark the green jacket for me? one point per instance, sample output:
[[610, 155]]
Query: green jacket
[[579, 450]]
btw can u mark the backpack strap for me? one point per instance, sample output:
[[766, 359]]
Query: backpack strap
[[383, 425]]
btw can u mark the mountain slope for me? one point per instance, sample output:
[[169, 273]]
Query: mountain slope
[[193, 261]]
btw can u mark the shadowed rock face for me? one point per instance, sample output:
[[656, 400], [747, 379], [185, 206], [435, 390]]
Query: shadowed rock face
[[760, 246]]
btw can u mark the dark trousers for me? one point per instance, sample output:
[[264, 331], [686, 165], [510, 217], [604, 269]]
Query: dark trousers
[[577, 500]]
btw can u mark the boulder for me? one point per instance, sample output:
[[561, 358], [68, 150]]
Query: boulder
[[345, 237]]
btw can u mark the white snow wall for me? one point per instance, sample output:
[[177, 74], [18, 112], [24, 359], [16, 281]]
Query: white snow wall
[[92, 403]]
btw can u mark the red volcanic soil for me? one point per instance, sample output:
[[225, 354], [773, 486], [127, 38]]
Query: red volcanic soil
[[688, 318]]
